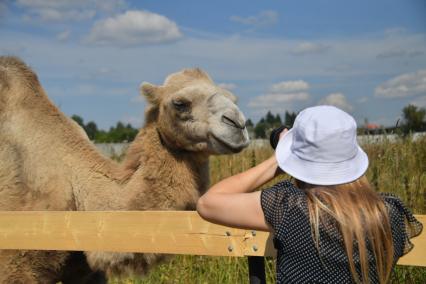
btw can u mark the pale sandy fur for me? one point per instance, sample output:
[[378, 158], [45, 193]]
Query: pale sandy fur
[[48, 163]]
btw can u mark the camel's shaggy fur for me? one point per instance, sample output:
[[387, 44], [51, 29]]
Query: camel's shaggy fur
[[48, 163]]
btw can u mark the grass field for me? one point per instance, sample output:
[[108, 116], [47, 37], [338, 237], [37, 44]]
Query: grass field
[[397, 167]]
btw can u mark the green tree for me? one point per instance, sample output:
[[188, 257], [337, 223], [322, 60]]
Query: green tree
[[266, 124], [249, 123], [278, 120], [78, 119], [91, 128], [260, 130], [102, 137], [130, 132], [289, 118], [413, 118], [121, 133], [250, 128], [270, 119]]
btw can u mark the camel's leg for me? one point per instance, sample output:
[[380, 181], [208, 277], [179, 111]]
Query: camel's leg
[[11, 272], [47, 267], [77, 271], [124, 264], [42, 267], [31, 266]]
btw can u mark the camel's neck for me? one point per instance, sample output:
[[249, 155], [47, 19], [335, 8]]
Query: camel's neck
[[152, 177], [161, 178], [57, 158]]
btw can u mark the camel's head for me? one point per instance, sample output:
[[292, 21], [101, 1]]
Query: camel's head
[[194, 114]]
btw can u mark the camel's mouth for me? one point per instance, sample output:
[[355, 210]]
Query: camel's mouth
[[227, 146]]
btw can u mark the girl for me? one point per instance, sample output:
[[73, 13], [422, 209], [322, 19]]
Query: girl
[[330, 226]]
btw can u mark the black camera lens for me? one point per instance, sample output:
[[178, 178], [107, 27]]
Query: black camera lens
[[275, 136]]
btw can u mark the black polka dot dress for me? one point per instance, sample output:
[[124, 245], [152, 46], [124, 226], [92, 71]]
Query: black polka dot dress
[[298, 259]]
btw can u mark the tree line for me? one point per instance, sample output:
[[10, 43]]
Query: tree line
[[269, 122], [413, 120], [115, 134]]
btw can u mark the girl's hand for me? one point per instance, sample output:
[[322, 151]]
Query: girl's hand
[[275, 135], [278, 170], [283, 133]]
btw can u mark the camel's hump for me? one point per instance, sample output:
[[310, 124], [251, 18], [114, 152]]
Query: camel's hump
[[14, 70]]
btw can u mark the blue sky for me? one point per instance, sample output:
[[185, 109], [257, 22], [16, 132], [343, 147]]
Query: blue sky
[[367, 57]]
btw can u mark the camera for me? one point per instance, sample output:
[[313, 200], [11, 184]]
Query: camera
[[275, 135]]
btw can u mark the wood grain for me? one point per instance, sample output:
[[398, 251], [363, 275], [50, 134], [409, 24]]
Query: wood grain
[[171, 232]]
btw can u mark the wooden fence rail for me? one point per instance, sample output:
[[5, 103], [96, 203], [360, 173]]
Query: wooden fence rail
[[171, 232]]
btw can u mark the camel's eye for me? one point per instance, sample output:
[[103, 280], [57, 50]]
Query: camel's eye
[[181, 105]]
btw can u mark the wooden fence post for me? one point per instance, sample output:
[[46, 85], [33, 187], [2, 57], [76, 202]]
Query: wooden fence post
[[256, 269]]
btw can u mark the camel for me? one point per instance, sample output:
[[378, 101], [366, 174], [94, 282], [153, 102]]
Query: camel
[[48, 163]]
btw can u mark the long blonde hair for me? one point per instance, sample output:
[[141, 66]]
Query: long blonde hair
[[361, 215]]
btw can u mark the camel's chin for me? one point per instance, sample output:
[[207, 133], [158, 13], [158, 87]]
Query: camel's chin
[[222, 146]]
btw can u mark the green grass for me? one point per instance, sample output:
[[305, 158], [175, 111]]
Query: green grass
[[399, 168]]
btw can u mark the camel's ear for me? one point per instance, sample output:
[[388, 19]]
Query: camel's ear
[[150, 92]]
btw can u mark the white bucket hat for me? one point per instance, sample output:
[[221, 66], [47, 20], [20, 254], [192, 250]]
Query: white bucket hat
[[321, 148]]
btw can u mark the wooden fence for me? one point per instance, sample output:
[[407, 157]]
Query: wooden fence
[[171, 232]]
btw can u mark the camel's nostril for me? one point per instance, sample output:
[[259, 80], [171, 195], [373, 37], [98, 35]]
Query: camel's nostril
[[233, 123]]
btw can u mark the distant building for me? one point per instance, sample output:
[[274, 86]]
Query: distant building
[[372, 128]]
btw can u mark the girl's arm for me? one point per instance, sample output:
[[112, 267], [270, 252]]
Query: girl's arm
[[232, 201]]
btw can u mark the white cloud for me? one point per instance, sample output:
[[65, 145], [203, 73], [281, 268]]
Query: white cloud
[[392, 32], [398, 53], [68, 10], [281, 96], [263, 19], [110, 6], [340, 68], [391, 53], [420, 101], [416, 53], [272, 100], [134, 28], [89, 89], [363, 100], [408, 84], [104, 70], [251, 61], [53, 15], [135, 121], [310, 48], [289, 86], [337, 100], [228, 86], [63, 36]]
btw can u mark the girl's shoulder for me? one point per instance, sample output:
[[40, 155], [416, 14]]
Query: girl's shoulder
[[391, 199], [396, 206], [277, 201], [402, 220], [287, 187]]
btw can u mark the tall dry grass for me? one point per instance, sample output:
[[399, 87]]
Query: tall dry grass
[[398, 167]]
